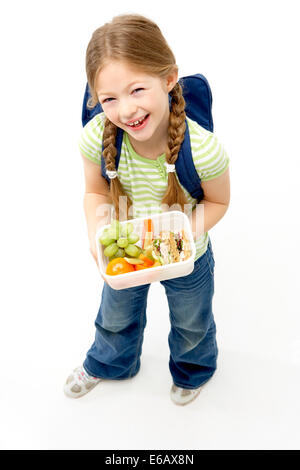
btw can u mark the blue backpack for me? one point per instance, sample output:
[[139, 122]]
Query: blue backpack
[[198, 99]]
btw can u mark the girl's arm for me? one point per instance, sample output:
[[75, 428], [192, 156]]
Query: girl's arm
[[97, 202], [214, 205]]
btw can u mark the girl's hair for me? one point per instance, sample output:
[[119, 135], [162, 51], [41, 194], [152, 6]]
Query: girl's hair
[[139, 42]]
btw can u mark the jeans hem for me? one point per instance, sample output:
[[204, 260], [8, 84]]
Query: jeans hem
[[110, 378], [193, 388]]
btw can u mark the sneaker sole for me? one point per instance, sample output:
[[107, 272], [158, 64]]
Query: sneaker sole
[[187, 402]]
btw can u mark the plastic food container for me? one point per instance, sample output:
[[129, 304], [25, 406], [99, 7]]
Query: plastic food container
[[170, 221]]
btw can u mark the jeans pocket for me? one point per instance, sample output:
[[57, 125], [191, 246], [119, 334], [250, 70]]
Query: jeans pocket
[[198, 264]]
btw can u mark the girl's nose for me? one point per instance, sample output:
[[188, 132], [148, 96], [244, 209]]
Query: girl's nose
[[127, 111]]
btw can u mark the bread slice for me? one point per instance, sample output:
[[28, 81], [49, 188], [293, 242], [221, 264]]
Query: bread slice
[[173, 249], [186, 245]]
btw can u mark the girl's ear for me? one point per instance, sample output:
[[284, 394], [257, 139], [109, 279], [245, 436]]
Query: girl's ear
[[172, 79]]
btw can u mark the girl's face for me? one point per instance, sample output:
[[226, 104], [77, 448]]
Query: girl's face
[[127, 95]]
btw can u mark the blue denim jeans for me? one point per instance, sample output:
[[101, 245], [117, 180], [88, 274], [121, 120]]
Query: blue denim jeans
[[116, 351]]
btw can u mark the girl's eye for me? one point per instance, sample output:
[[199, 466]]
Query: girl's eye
[[105, 101]]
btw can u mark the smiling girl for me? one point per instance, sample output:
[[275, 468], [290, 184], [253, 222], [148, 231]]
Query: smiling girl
[[143, 100], [132, 72]]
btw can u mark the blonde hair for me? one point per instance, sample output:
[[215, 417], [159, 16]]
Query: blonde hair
[[138, 41]]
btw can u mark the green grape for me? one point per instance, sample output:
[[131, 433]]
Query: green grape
[[111, 249], [133, 238], [113, 233], [133, 250], [119, 254], [105, 240], [122, 242], [126, 229]]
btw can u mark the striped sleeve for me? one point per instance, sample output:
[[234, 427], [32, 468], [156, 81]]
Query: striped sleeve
[[90, 141], [210, 157]]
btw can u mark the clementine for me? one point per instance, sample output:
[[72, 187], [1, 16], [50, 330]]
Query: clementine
[[146, 260], [119, 266]]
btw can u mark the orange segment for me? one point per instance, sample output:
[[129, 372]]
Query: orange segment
[[146, 260], [119, 266]]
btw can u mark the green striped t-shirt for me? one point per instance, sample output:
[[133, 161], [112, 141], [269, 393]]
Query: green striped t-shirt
[[145, 180]]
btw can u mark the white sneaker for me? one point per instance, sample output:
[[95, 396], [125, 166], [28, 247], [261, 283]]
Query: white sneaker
[[183, 396], [79, 383]]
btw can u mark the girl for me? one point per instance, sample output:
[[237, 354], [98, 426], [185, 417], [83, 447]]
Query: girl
[[131, 71]]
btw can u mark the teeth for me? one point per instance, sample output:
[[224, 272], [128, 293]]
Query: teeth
[[136, 122]]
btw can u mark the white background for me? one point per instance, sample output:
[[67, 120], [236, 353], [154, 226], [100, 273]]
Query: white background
[[51, 287]]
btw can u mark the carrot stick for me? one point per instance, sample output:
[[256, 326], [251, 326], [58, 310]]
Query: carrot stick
[[147, 231]]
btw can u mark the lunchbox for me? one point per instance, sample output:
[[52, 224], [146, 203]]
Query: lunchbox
[[170, 221]]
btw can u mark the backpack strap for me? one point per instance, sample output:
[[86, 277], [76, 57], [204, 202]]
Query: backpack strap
[[185, 168]]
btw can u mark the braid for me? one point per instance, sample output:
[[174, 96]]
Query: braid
[[109, 139], [176, 131], [109, 155]]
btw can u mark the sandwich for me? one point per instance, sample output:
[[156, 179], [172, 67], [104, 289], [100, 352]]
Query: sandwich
[[171, 247]]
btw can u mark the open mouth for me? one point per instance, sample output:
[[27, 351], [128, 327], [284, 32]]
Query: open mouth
[[140, 124]]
